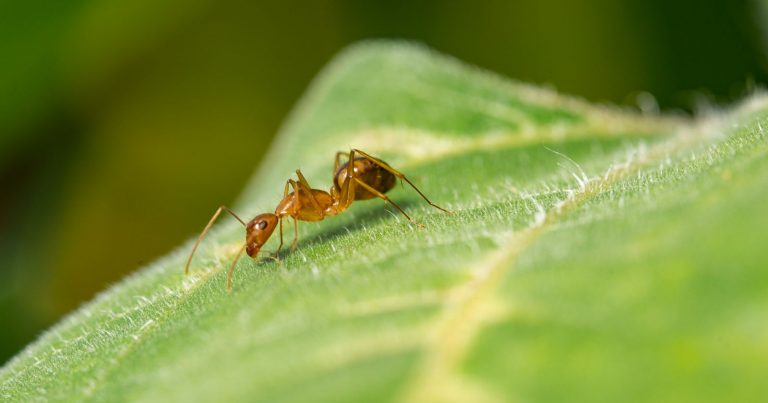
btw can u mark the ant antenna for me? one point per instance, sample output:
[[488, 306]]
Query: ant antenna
[[205, 231], [232, 268]]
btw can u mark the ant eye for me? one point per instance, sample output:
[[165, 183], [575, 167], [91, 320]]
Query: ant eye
[[262, 224]]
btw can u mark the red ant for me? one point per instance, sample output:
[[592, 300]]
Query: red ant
[[360, 178]]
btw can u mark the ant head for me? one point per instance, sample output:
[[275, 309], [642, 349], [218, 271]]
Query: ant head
[[257, 232]]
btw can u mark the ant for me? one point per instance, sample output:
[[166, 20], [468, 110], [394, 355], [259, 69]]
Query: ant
[[360, 178]]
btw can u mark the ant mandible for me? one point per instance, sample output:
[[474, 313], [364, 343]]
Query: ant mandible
[[360, 178]]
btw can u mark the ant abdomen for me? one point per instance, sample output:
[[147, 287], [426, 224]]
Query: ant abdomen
[[368, 172]]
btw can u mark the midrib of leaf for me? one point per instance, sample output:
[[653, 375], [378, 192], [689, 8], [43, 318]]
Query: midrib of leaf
[[437, 378]]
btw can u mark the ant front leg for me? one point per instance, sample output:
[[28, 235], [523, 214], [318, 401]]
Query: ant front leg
[[296, 209], [400, 175], [281, 238], [288, 184], [276, 256]]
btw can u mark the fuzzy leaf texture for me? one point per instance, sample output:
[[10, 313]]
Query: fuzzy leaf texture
[[595, 254]]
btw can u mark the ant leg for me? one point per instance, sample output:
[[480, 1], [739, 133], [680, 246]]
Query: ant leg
[[276, 256], [297, 208], [281, 237], [344, 195], [296, 199], [232, 268], [386, 199], [340, 195], [205, 231], [277, 252], [337, 161], [400, 175], [348, 188], [303, 184], [285, 194], [295, 233]]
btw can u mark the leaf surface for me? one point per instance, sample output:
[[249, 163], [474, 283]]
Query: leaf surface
[[595, 254]]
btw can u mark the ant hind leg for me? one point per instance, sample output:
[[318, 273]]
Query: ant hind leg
[[386, 199], [400, 175]]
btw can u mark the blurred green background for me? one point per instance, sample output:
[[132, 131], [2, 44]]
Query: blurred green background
[[123, 125]]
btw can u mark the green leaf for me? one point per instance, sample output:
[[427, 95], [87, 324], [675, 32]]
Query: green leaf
[[595, 254]]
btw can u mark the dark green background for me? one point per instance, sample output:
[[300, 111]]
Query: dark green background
[[123, 126]]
